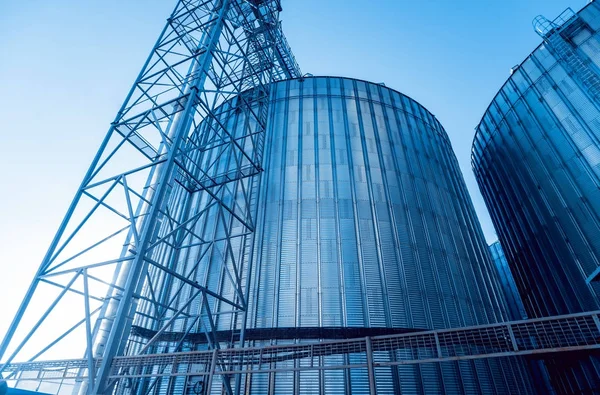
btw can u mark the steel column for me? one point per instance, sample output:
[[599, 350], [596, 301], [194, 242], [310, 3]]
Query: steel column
[[370, 366]]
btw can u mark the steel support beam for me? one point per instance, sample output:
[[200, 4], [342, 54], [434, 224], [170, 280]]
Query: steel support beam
[[166, 148]]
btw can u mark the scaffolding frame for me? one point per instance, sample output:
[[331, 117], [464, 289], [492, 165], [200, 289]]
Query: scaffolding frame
[[172, 143]]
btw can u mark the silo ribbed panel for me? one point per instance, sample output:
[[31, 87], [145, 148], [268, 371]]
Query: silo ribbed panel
[[536, 157], [365, 221]]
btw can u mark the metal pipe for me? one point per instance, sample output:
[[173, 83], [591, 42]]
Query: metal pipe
[[88, 332]]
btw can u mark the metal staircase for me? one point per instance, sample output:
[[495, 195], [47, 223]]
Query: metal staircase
[[556, 34]]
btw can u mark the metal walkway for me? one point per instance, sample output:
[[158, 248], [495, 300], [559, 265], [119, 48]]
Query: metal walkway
[[573, 332]]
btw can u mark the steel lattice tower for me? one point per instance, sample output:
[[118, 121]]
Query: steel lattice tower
[[128, 219]]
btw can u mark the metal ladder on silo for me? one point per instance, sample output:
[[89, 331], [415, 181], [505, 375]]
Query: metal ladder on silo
[[566, 53]]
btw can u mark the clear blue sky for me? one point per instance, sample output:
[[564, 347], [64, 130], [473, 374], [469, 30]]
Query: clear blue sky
[[66, 66]]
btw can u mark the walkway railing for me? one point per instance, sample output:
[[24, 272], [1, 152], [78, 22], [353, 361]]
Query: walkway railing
[[573, 332]]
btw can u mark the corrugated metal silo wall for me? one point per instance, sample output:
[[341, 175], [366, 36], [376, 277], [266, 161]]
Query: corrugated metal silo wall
[[536, 156], [364, 221]]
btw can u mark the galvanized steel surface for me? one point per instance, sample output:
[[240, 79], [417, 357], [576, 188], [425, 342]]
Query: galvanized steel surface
[[536, 157], [364, 220]]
